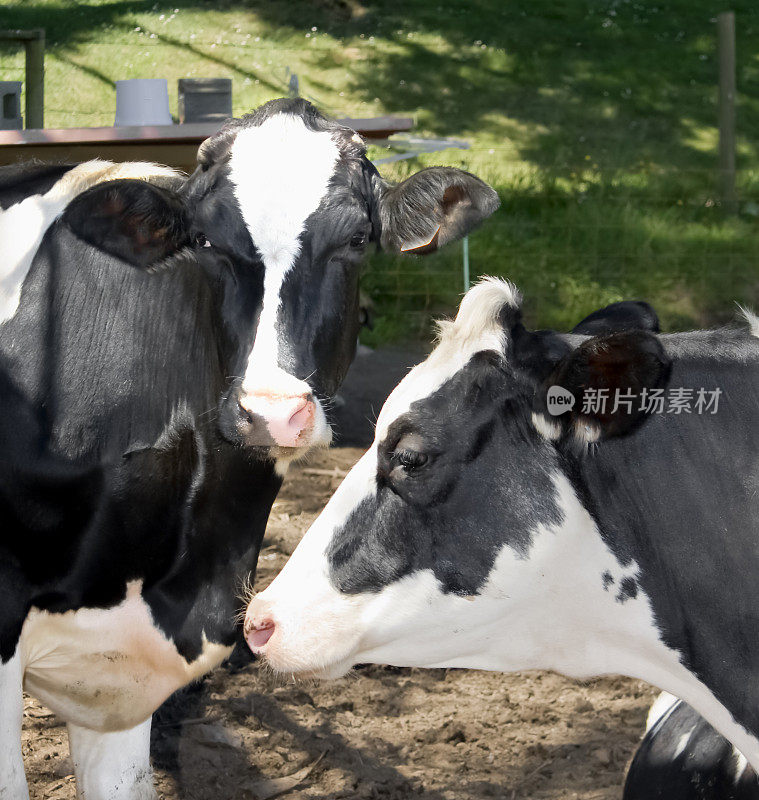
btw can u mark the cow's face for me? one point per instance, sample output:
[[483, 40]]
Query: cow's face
[[308, 203], [443, 543], [280, 211]]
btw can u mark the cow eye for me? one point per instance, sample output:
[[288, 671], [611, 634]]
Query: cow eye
[[410, 459], [201, 241], [358, 240], [409, 453]]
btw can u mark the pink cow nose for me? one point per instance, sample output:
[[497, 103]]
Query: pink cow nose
[[288, 417], [259, 625]]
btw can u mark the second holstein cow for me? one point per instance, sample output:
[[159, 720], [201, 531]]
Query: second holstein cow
[[682, 757], [167, 352], [480, 530]]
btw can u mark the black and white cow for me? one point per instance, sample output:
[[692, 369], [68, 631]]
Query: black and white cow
[[682, 757], [170, 348], [482, 531]]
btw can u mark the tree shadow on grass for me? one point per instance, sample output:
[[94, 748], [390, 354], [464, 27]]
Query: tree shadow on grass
[[625, 83]]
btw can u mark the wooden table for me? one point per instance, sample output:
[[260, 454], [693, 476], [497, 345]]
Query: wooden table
[[173, 145]]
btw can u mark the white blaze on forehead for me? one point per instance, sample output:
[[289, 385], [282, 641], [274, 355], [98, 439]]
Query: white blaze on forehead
[[23, 224], [281, 171], [477, 327]]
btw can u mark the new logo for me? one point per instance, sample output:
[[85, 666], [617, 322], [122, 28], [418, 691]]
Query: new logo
[[559, 400]]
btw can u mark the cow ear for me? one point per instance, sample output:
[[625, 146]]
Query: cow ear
[[133, 220], [217, 148], [433, 207], [627, 315], [603, 387]]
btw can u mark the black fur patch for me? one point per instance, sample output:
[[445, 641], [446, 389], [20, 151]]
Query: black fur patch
[[425, 519], [628, 590]]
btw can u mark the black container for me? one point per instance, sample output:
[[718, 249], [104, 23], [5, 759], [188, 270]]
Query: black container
[[205, 99]]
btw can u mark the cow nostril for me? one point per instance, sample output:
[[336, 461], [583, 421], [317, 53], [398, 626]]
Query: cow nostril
[[258, 634]]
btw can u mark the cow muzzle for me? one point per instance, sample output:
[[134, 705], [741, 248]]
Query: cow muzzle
[[279, 413], [288, 419], [321, 653]]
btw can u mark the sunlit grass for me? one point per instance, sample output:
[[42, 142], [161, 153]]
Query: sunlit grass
[[596, 122]]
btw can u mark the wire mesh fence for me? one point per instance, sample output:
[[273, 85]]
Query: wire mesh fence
[[602, 145], [667, 240]]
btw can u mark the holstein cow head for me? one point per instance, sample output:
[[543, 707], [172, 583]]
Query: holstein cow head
[[456, 540], [282, 208]]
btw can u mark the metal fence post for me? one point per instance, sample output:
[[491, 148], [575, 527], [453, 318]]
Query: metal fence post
[[726, 48]]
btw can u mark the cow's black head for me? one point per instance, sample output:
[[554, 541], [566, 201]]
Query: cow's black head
[[280, 211]]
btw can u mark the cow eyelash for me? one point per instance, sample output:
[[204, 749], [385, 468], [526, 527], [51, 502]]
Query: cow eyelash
[[410, 459]]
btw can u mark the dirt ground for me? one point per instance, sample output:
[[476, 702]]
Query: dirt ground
[[377, 733]]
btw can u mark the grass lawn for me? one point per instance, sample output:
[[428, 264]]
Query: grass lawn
[[594, 119]]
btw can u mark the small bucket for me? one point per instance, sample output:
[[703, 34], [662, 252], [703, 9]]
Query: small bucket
[[142, 101]]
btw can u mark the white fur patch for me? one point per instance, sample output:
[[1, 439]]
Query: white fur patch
[[23, 225], [740, 765], [113, 765], [477, 327], [751, 320], [547, 428], [12, 779], [106, 669], [281, 171], [586, 433], [682, 742]]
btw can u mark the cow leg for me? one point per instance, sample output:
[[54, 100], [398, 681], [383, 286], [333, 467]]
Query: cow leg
[[12, 779], [112, 766]]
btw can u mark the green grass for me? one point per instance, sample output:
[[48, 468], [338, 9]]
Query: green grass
[[595, 120]]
